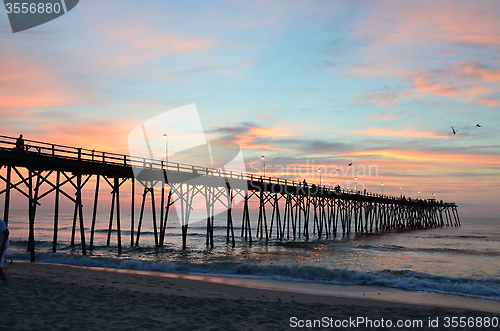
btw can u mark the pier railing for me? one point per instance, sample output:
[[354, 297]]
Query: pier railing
[[91, 155]]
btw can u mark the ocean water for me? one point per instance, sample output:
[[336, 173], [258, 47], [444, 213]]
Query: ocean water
[[456, 260]]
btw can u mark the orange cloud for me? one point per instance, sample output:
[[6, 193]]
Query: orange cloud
[[486, 73], [101, 135], [385, 116], [414, 31], [423, 84], [431, 22], [26, 84], [432, 157], [139, 44], [489, 102], [250, 139], [406, 133]]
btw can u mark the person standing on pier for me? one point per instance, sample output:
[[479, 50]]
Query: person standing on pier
[[20, 143], [4, 244]]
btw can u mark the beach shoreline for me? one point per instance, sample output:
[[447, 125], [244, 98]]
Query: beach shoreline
[[120, 299]]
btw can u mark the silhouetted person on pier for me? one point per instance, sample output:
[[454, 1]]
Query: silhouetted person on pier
[[304, 183], [20, 143]]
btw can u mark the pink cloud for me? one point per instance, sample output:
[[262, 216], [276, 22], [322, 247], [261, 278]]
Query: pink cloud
[[27, 84], [387, 115], [488, 102], [411, 31], [433, 157], [250, 139], [395, 23], [99, 134], [137, 44], [486, 73], [424, 84]]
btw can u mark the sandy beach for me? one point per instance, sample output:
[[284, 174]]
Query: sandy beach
[[41, 296]]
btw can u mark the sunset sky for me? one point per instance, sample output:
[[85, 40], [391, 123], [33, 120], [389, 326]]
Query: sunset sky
[[308, 84]]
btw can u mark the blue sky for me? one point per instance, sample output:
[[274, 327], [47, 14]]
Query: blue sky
[[306, 83]]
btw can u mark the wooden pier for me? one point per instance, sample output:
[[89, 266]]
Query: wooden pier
[[297, 211]]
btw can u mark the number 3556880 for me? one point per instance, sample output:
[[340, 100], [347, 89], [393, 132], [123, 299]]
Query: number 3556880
[[32, 8]]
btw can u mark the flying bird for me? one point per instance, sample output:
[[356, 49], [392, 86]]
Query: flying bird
[[478, 125], [350, 164], [454, 131]]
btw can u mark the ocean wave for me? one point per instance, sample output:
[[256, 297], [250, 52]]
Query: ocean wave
[[456, 251], [401, 279]]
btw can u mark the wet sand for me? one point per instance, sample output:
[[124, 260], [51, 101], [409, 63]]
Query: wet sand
[[60, 297]]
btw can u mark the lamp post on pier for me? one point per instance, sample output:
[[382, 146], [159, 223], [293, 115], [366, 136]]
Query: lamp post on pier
[[165, 136], [356, 184], [263, 158], [319, 171], [382, 188]]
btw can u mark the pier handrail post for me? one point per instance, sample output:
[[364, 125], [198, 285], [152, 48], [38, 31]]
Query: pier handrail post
[[79, 153]]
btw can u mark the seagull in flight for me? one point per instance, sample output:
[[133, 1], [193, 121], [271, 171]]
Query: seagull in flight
[[350, 164], [478, 125], [454, 131]]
